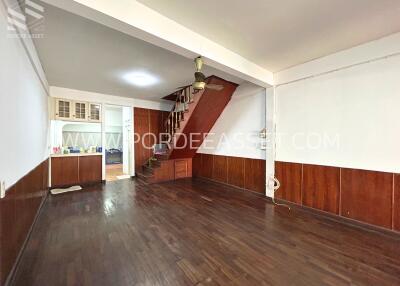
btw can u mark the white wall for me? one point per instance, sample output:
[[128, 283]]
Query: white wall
[[113, 119], [240, 123], [23, 107], [345, 110]]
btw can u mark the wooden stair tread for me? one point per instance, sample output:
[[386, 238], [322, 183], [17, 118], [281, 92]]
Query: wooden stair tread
[[144, 174]]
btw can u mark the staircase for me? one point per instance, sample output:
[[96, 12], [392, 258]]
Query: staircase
[[190, 120]]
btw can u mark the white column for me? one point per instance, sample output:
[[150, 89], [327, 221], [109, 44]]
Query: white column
[[270, 152]]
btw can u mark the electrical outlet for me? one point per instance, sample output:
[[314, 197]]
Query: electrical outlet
[[2, 189]]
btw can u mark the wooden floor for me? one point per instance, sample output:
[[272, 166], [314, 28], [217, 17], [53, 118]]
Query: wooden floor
[[197, 233], [113, 171]]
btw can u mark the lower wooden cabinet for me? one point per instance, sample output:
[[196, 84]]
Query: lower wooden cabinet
[[72, 170], [90, 169], [183, 168], [64, 171]]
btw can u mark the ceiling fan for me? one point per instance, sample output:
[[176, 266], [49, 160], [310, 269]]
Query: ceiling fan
[[199, 82]]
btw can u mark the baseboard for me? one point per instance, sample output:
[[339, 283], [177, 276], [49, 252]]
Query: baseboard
[[11, 276], [330, 216], [342, 220], [232, 186]]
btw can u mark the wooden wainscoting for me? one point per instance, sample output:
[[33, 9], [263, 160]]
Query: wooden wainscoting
[[368, 197], [396, 202], [146, 121], [244, 173], [235, 171], [18, 211], [290, 177], [321, 188], [183, 168]]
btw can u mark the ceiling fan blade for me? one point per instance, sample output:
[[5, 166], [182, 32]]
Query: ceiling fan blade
[[216, 87], [181, 87]]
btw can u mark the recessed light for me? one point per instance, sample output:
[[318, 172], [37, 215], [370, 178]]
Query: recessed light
[[141, 78]]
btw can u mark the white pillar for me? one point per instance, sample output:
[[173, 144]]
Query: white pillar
[[270, 152]]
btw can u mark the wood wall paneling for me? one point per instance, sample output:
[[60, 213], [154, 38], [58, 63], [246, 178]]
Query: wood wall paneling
[[45, 170], [155, 121], [236, 171], [141, 127], [64, 171], [17, 213], [9, 243], [290, 177], [254, 176], [231, 170], [396, 202], [367, 196], [207, 163], [196, 163], [90, 169], [220, 169], [147, 121], [321, 187]]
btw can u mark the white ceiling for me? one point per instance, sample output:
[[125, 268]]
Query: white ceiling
[[278, 34], [80, 54]]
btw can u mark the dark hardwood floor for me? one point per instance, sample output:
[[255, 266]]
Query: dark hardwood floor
[[194, 232]]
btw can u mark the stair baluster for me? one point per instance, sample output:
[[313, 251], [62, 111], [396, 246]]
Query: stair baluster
[[183, 98]]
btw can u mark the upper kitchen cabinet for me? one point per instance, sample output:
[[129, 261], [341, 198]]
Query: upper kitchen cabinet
[[77, 110], [63, 109], [94, 112], [80, 111]]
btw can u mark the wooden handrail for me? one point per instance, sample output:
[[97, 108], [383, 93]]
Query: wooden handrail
[[183, 98]]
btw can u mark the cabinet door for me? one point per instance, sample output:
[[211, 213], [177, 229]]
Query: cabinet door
[[63, 109], [94, 112], [64, 171], [183, 168], [80, 111], [90, 169]]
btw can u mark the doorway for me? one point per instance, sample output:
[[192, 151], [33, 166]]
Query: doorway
[[118, 131]]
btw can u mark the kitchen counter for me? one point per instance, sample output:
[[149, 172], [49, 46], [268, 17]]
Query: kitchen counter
[[75, 155], [76, 169]]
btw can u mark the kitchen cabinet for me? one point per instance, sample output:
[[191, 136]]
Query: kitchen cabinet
[[94, 112], [76, 169], [64, 109], [77, 110], [80, 111], [90, 169], [64, 171]]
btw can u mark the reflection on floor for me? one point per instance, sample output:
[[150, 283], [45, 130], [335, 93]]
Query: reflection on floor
[[115, 172], [195, 232]]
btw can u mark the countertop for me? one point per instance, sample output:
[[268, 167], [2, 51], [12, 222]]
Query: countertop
[[75, 155]]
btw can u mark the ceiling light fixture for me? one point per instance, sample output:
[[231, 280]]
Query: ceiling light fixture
[[141, 78]]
